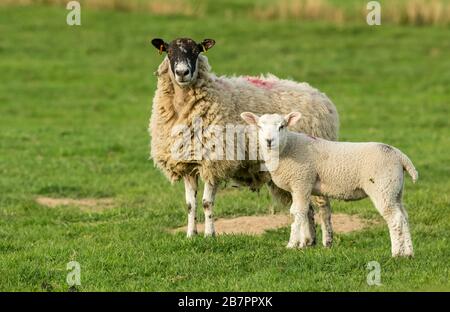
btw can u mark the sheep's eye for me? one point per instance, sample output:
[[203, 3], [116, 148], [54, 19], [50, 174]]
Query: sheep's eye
[[281, 127]]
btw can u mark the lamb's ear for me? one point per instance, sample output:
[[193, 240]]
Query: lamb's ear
[[160, 45], [292, 118], [206, 44], [250, 118]]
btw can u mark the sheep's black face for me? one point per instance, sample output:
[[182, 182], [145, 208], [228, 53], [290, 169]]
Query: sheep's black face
[[183, 57]]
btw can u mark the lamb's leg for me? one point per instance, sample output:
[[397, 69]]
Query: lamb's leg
[[295, 237], [209, 195], [190, 186], [301, 232], [408, 246], [312, 224], [285, 198], [323, 204], [393, 213], [398, 231]]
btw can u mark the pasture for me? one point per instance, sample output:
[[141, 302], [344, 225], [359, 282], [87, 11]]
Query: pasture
[[74, 109]]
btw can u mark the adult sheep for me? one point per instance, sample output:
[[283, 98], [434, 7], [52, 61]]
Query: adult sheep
[[187, 90]]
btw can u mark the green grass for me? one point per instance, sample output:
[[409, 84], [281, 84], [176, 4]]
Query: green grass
[[74, 110]]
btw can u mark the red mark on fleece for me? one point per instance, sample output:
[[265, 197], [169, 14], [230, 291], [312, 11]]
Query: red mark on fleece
[[259, 82]]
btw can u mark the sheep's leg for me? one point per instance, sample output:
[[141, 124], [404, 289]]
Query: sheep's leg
[[397, 221], [301, 230], [209, 195], [399, 232], [323, 204], [190, 187], [295, 237], [407, 241], [307, 238], [312, 224], [285, 198]]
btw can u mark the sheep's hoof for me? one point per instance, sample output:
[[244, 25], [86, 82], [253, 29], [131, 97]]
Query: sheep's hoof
[[191, 234], [327, 244], [292, 245], [211, 234], [403, 255], [302, 245], [307, 242]]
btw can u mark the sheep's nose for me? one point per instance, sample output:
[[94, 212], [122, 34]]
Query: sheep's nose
[[182, 72], [269, 142]]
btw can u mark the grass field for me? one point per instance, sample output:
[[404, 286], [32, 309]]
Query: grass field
[[74, 110]]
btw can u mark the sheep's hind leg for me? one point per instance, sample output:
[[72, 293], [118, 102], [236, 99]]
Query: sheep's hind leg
[[397, 221], [323, 203], [407, 241], [209, 195], [399, 231], [190, 187]]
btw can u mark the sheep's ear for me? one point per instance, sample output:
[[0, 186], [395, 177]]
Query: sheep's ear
[[160, 45], [250, 118], [206, 45], [292, 118]]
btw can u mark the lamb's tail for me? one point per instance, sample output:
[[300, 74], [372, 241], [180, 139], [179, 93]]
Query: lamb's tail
[[408, 165]]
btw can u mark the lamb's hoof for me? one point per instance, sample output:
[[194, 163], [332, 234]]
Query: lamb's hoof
[[191, 234], [302, 245], [307, 243], [403, 255], [210, 234], [327, 244], [292, 245]]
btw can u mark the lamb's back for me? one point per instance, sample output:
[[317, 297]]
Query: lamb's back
[[344, 168]]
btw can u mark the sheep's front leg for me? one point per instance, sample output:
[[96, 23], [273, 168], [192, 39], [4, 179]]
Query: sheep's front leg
[[190, 186], [301, 229], [209, 195], [295, 237]]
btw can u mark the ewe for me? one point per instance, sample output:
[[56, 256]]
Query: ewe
[[305, 166], [187, 90]]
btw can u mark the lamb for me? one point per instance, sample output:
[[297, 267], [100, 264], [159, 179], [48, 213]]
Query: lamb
[[304, 165], [188, 91]]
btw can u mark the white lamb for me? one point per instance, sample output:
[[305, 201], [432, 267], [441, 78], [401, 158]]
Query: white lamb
[[305, 166]]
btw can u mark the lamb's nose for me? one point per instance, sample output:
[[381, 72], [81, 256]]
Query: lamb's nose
[[182, 72], [269, 142]]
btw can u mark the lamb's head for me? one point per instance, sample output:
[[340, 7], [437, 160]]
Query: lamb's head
[[183, 57], [272, 128]]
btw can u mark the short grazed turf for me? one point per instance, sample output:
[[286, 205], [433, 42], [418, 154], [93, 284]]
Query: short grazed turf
[[74, 109]]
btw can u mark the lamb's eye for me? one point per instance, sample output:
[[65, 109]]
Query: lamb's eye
[[281, 127]]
